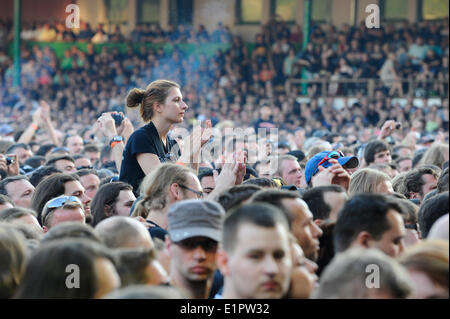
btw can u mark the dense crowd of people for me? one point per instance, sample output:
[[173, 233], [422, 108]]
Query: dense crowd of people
[[99, 176]]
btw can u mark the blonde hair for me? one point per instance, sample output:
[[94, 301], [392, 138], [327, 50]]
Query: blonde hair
[[435, 155], [430, 257], [366, 180], [155, 187], [156, 92]]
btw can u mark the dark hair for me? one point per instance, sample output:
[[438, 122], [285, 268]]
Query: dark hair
[[78, 156], [51, 187], [236, 195], [413, 180], [91, 148], [17, 145], [71, 230], [418, 156], [35, 161], [15, 212], [132, 265], [44, 149], [8, 180], [314, 197], [326, 252], [52, 160], [67, 136], [263, 182], [86, 171], [431, 210], [105, 152], [442, 183], [40, 173], [204, 172], [45, 275], [373, 148], [363, 212], [275, 198], [259, 214], [156, 92], [106, 195]]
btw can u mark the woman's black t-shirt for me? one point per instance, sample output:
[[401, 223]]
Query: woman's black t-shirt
[[144, 140]]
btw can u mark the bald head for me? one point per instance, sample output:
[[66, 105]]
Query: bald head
[[124, 232]]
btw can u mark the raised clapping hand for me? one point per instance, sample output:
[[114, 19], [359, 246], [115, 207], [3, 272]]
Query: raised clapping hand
[[107, 125], [335, 174], [233, 171]]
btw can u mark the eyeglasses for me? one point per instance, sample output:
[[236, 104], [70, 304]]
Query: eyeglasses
[[207, 244], [199, 194], [330, 155], [412, 226]]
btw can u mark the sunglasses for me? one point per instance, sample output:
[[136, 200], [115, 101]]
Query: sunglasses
[[330, 155], [61, 202], [207, 244], [82, 167], [199, 194]]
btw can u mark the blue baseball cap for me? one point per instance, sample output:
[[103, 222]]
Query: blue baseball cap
[[312, 166]]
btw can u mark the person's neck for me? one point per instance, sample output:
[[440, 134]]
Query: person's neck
[[229, 293], [163, 127], [159, 217], [192, 289]]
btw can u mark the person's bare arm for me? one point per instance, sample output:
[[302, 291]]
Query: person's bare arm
[[147, 161], [107, 126], [28, 134], [47, 123]]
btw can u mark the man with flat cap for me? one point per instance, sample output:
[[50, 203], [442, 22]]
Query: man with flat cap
[[195, 229]]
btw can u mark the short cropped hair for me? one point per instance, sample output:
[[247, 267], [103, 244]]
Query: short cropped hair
[[364, 212], [259, 214]]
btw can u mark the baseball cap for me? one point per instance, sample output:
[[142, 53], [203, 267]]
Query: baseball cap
[[312, 165], [192, 218]]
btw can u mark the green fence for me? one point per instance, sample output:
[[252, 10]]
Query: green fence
[[188, 48]]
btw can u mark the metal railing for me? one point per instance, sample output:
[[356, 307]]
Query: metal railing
[[368, 87]]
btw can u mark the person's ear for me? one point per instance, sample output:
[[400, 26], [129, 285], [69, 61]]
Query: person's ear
[[108, 210], [364, 239], [222, 262], [157, 107], [175, 191]]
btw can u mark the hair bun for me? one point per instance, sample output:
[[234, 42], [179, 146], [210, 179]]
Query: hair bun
[[135, 97]]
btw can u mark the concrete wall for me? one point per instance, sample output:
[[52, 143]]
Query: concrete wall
[[36, 11], [211, 12], [92, 11]]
